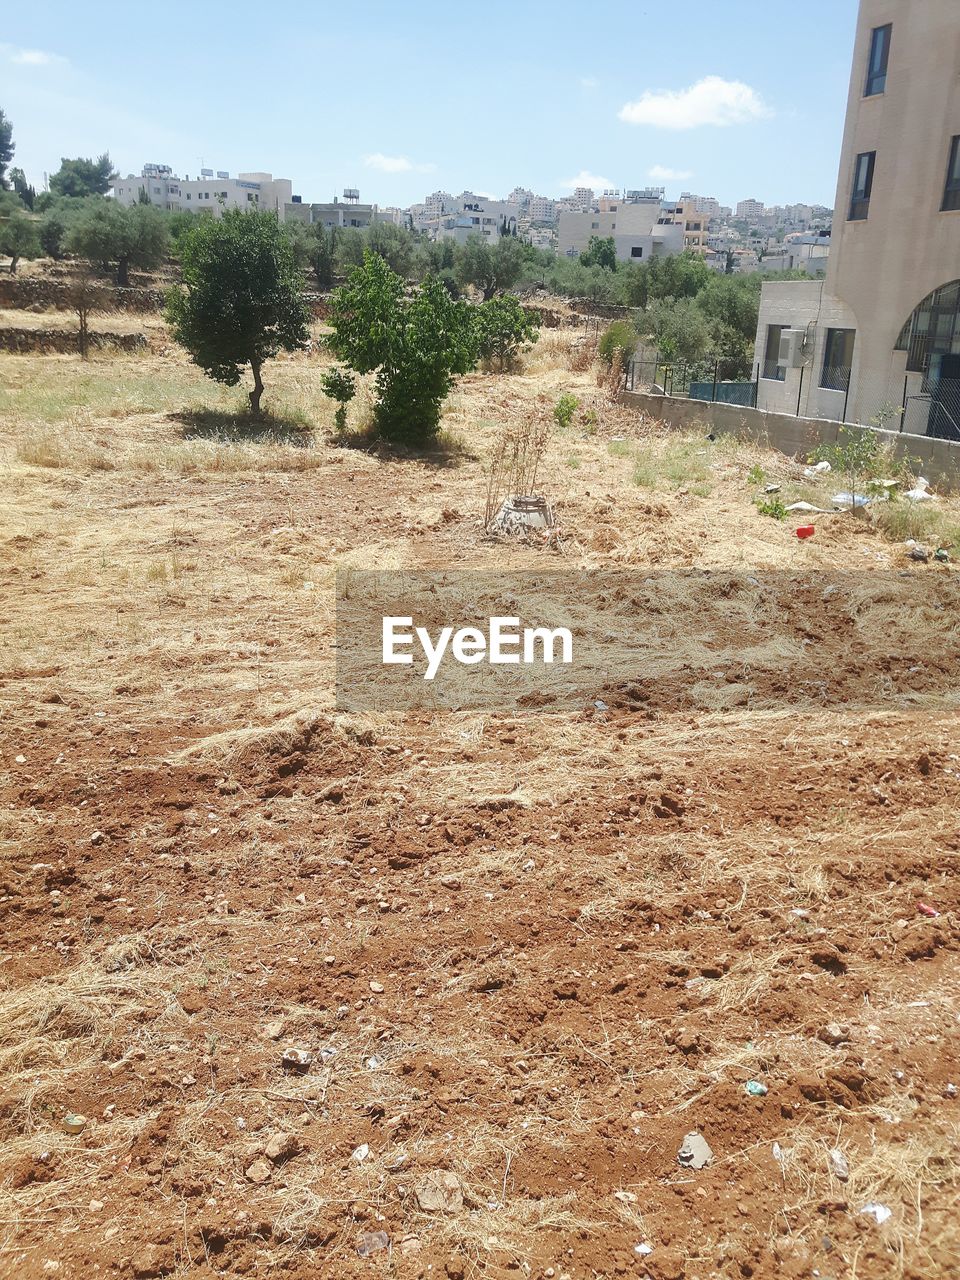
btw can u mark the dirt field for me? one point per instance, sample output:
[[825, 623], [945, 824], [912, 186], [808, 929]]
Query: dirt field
[[527, 955]]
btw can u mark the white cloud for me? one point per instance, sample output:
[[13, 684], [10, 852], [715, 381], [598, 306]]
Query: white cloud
[[711, 100], [663, 174], [395, 164], [585, 179], [30, 57]]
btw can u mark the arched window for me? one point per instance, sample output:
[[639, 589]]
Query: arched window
[[934, 328]]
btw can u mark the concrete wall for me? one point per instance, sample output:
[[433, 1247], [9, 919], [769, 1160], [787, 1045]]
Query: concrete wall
[[938, 460]]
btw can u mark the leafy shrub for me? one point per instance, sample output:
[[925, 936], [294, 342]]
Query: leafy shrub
[[619, 336], [772, 507], [342, 387], [564, 410], [503, 328]]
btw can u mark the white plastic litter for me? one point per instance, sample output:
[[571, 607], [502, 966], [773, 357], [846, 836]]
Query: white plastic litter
[[808, 506], [921, 491], [879, 1212], [851, 499], [818, 469]]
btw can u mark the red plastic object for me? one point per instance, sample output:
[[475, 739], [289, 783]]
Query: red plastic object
[[930, 912], [806, 531]]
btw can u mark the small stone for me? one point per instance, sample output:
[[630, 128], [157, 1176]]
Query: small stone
[[97, 838], [95, 1206], [20, 759], [372, 1242], [838, 1165], [377, 988], [273, 1030], [298, 1060], [259, 1172], [833, 1033], [361, 1153], [282, 1146], [410, 1244], [301, 898], [451, 882], [950, 1091], [440, 1191], [695, 1151]]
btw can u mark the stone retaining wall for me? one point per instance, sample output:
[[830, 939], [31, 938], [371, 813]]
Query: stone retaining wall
[[938, 460], [65, 342]]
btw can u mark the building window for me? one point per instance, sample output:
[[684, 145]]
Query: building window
[[837, 359], [879, 57], [771, 367], [636, 251], [951, 192], [862, 185], [594, 226]]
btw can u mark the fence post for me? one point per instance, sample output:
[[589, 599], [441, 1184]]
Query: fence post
[[756, 388], [846, 398], [800, 390], [903, 406], [656, 366], [716, 378]]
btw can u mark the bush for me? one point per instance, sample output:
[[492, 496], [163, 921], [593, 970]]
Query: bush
[[416, 346], [341, 387], [621, 336], [503, 329], [564, 410]]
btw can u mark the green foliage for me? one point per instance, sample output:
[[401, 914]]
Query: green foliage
[[416, 346], [620, 336], [112, 235], [679, 329], [491, 268], [322, 255], [600, 253], [7, 149], [53, 230], [302, 243], [502, 329], [241, 303], [27, 194], [83, 177], [682, 275], [19, 239], [564, 410], [756, 474], [350, 244], [772, 507], [394, 244], [856, 454], [342, 387]]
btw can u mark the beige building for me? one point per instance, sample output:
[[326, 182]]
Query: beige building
[[634, 226], [878, 341]]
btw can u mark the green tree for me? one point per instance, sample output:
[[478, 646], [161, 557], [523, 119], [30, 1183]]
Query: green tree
[[600, 253], [394, 244], [502, 329], [680, 330], [19, 239], [349, 251], [341, 387], [490, 268], [7, 149], [241, 301], [301, 242], [83, 177], [116, 236], [27, 194], [417, 347], [323, 254], [620, 336], [53, 231]]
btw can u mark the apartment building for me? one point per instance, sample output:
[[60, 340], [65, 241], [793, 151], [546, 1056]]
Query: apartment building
[[348, 212], [750, 210], [879, 338], [634, 225], [695, 225], [211, 192]]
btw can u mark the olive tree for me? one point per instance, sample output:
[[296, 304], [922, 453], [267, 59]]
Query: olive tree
[[18, 239], [241, 302], [114, 236], [416, 346]]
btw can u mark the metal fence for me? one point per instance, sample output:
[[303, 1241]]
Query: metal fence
[[830, 393], [714, 380]]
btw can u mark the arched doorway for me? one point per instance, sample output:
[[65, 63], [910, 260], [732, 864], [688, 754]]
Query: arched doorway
[[931, 339]]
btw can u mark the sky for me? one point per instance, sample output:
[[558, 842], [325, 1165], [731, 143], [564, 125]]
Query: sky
[[718, 97]]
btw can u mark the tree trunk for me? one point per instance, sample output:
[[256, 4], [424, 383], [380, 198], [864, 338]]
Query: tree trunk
[[13, 264], [257, 391], [123, 277]]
